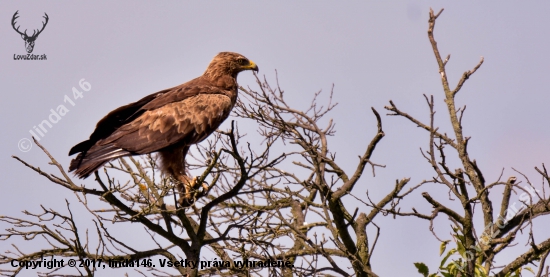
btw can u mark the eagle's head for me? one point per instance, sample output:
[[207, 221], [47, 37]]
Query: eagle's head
[[229, 63]]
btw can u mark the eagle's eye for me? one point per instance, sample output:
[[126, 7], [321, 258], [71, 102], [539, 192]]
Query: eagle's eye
[[242, 61]]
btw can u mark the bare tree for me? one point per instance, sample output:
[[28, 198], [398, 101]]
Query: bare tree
[[477, 246]]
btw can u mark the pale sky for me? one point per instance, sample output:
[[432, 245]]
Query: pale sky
[[372, 51]]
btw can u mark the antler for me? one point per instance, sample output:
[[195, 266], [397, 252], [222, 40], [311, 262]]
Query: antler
[[34, 34], [15, 16]]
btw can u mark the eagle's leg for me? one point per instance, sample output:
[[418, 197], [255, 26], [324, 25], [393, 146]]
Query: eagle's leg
[[173, 163]]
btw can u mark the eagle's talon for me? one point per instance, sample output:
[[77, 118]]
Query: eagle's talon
[[189, 190], [194, 182]]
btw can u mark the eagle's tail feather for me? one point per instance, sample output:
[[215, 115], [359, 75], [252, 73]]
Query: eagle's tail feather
[[89, 161]]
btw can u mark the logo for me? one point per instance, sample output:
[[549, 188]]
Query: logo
[[29, 40]]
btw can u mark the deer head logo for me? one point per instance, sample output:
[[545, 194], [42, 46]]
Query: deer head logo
[[29, 40]]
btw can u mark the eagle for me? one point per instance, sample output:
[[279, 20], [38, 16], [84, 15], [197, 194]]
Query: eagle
[[167, 122]]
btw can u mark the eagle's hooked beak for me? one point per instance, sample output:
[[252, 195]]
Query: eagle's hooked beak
[[251, 66]]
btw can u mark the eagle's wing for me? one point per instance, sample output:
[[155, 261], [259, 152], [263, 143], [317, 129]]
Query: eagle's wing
[[125, 114], [189, 112], [190, 121], [112, 121]]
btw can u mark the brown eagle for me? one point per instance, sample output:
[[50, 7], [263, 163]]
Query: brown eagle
[[167, 122]]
